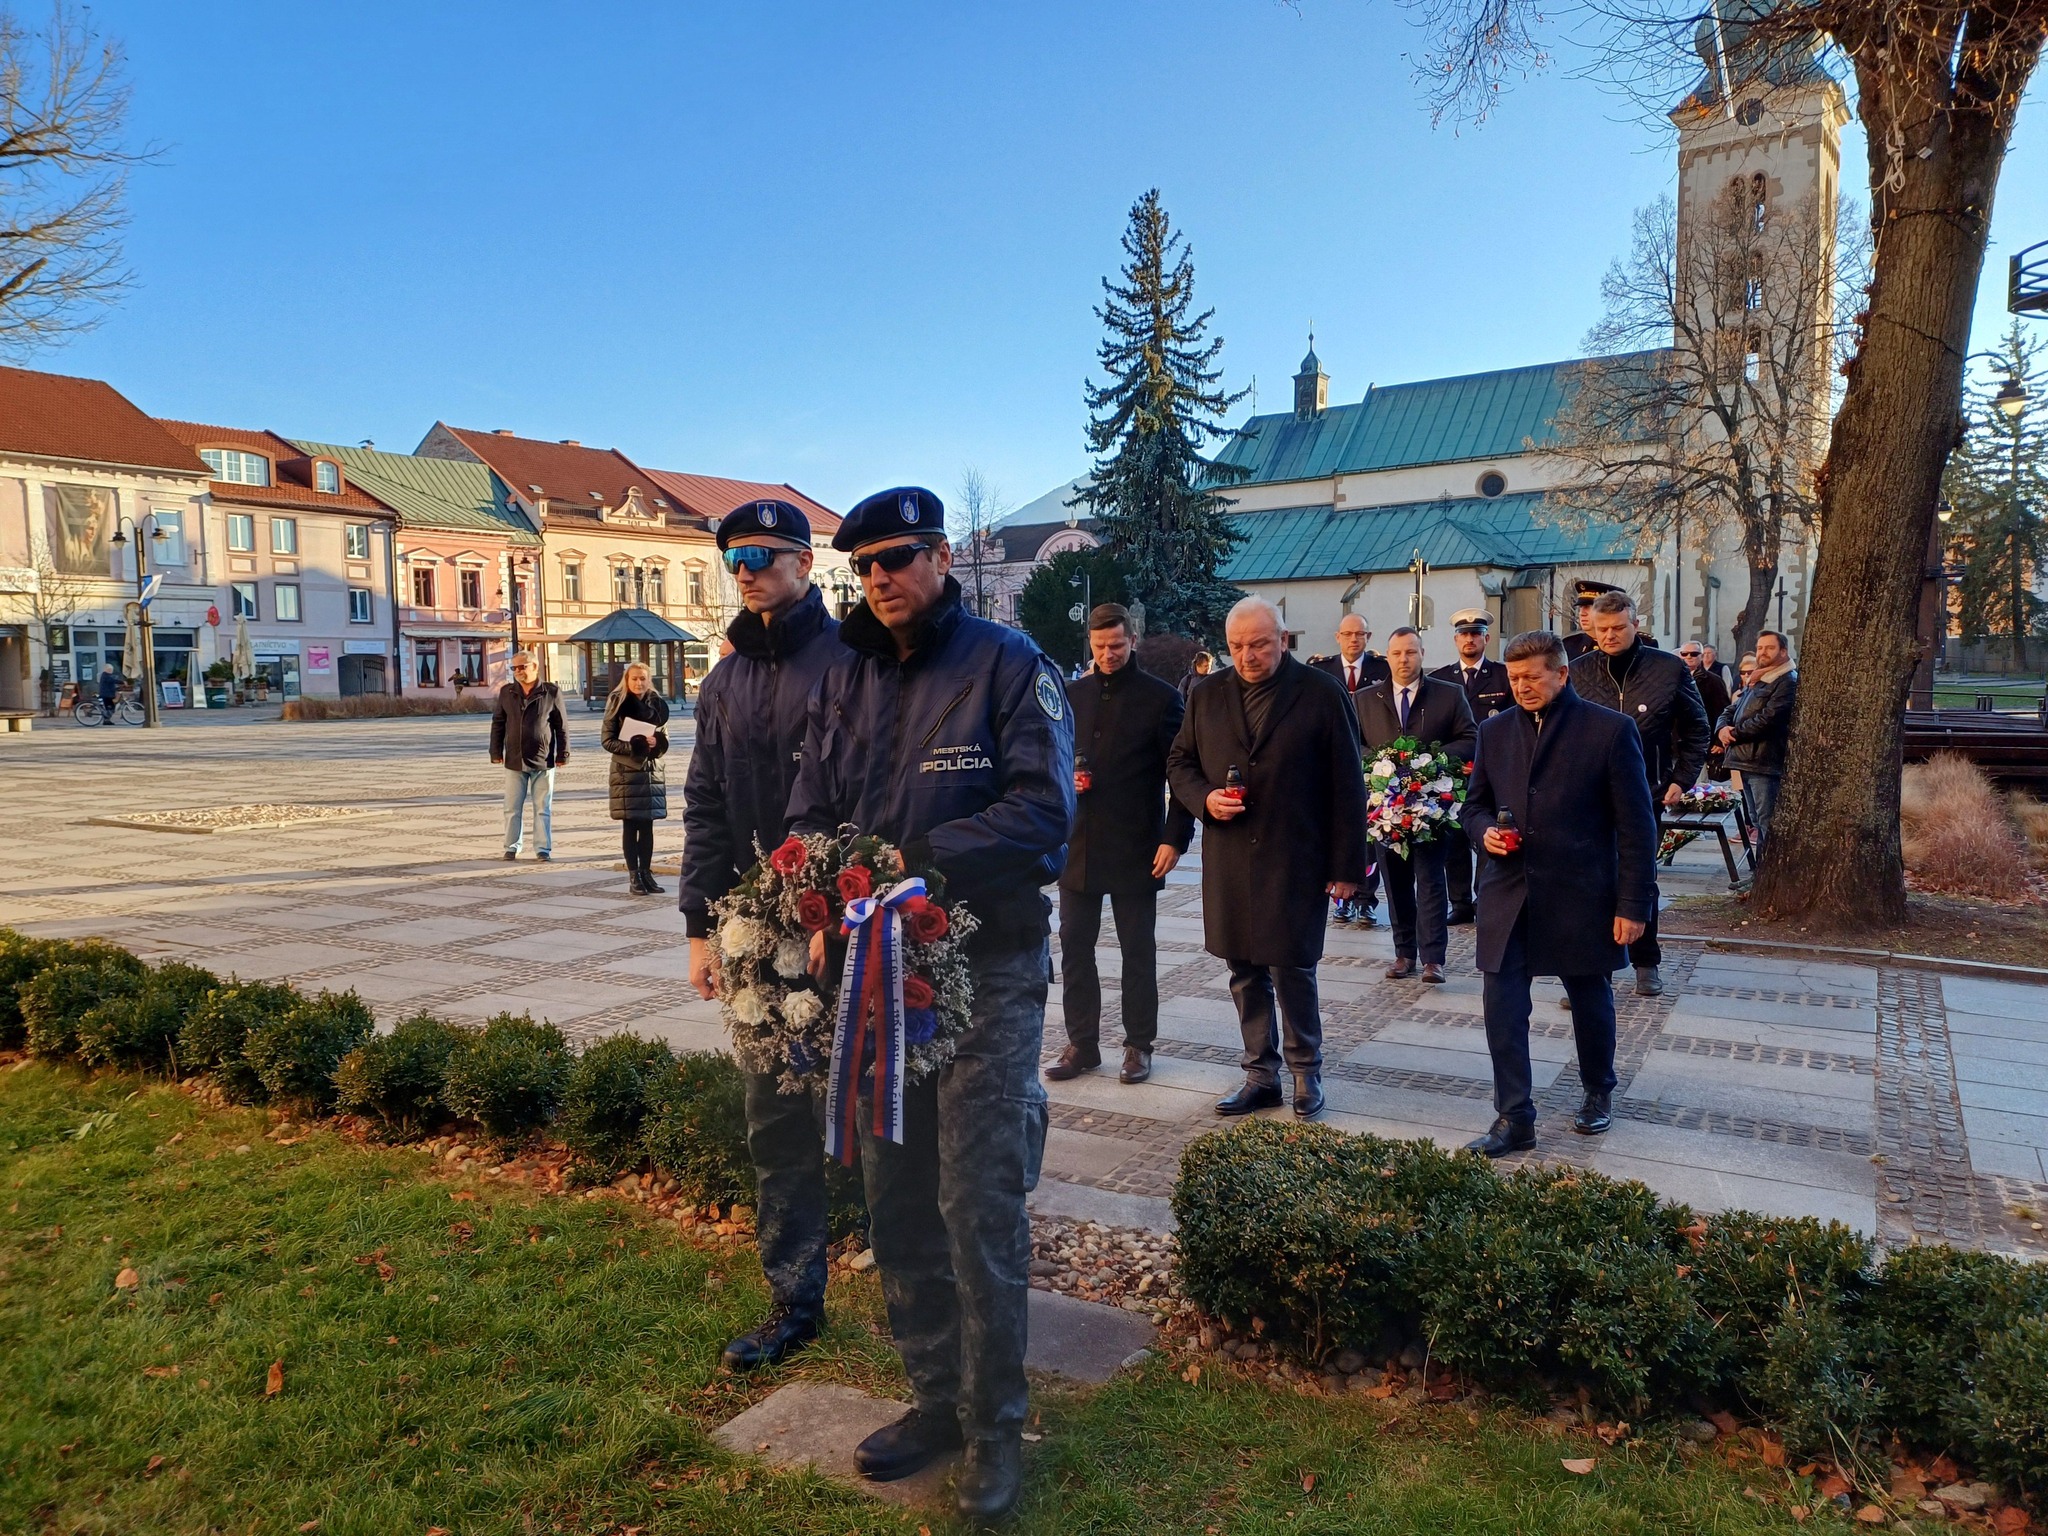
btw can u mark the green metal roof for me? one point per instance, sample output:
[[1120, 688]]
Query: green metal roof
[[1432, 421], [1505, 532], [432, 493]]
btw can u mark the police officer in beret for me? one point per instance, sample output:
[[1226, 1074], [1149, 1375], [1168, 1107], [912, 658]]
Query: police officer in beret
[[751, 716], [1486, 690], [951, 737]]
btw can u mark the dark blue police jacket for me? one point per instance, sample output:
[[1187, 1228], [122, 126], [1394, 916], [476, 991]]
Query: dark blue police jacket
[[751, 716], [962, 755]]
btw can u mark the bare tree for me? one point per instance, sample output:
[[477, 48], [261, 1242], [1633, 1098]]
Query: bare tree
[[1938, 86], [980, 508], [51, 599], [64, 169], [1704, 408]]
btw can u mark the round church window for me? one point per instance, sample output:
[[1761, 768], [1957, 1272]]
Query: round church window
[[1750, 113], [1492, 483]]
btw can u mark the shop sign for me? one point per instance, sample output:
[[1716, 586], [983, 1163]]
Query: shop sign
[[319, 658]]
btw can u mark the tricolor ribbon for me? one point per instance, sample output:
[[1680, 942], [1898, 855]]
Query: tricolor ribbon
[[870, 1010]]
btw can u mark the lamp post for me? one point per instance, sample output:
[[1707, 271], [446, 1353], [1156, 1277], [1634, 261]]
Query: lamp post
[[2011, 403], [157, 535], [1081, 579]]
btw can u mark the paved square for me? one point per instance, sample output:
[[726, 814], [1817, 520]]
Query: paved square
[[1902, 1101]]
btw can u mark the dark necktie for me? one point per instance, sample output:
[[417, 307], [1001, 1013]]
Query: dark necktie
[[1404, 709], [1351, 677]]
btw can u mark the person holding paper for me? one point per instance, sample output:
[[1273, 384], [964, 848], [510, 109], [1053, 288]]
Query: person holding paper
[[633, 719]]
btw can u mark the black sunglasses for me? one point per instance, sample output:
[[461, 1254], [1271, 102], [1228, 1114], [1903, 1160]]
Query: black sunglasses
[[755, 557], [893, 559]]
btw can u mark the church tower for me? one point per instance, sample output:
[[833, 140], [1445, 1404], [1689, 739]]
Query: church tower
[[1311, 385]]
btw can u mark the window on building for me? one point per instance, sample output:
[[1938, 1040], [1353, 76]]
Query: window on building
[[572, 581], [244, 599], [472, 581], [241, 532], [1759, 201], [693, 586], [284, 597], [657, 586], [1753, 357], [473, 660], [428, 658], [355, 540], [284, 535], [236, 467], [1492, 483], [359, 605], [326, 478], [423, 586], [521, 598], [622, 586], [170, 549]]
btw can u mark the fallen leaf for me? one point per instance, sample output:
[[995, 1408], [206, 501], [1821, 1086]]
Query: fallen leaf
[[1192, 1375], [1308, 1482], [1696, 1234], [154, 1463], [460, 1194], [1773, 1452], [2011, 1521], [1807, 1469], [385, 1271], [215, 1299], [1723, 1420], [437, 1530], [1799, 1512], [1870, 1514], [273, 1383], [310, 1525], [307, 1290], [1943, 1471], [1684, 1270], [1578, 1466], [461, 1231], [159, 1370], [1612, 1434], [1381, 1392], [128, 1280], [1833, 1485]]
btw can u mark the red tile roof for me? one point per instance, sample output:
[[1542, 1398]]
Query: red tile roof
[[291, 471], [566, 473], [715, 496], [54, 416]]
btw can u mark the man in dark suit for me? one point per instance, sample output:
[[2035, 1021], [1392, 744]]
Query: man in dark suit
[[1356, 666], [1434, 714], [1563, 888], [1124, 841], [1268, 758], [1486, 690]]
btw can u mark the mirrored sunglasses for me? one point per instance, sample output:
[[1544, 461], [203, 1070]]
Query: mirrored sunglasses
[[892, 559], [753, 557]]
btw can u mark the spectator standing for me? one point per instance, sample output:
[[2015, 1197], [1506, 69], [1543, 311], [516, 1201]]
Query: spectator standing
[[1712, 663], [1757, 728], [1714, 695], [1584, 593], [1198, 668], [752, 711], [1125, 840], [110, 687], [1567, 887], [1486, 690], [639, 789], [1653, 688], [1267, 757], [530, 737], [1435, 714], [1748, 674], [1356, 666]]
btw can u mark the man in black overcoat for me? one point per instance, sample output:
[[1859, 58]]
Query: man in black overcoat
[[1125, 839], [1567, 887], [1356, 665], [1271, 858], [1431, 712], [1486, 690]]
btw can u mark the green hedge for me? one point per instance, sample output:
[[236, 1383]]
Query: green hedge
[[397, 1079], [1554, 1276]]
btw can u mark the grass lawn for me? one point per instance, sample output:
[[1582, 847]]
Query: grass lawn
[[321, 1332]]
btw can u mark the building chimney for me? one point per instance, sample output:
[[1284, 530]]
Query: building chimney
[[502, 432], [570, 442]]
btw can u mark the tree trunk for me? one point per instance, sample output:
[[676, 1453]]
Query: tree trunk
[[1833, 855], [1755, 617]]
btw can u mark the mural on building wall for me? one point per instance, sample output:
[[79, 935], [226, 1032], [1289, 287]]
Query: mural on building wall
[[81, 524]]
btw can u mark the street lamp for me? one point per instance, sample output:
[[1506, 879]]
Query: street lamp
[[1079, 615], [120, 541], [2011, 399]]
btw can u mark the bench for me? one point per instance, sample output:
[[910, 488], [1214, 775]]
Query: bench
[[19, 719]]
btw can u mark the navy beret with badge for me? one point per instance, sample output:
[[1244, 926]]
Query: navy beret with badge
[[765, 519], [891, 514]]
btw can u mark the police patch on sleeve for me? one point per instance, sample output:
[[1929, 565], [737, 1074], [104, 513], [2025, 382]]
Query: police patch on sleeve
[[1052, 698]]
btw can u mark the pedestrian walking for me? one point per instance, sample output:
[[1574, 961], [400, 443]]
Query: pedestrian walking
[[1486, 690], [1356, 665], [633, 733], [1267, 757], [1655, 690], [1126, 839], [530, 738], [1757, 729], [1559, 804], [1435, 715], [950, 736], [752, 712]]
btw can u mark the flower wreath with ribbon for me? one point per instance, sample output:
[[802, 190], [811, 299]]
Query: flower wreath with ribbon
[[894, 1012], [1412, 793]]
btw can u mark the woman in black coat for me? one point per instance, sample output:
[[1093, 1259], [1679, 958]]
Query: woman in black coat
[[633, 719]]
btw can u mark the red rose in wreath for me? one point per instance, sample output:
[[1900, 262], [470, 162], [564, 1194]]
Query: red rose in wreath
[[928, 923], [814, 911], [917, 992], [789, 858], [856, 881]]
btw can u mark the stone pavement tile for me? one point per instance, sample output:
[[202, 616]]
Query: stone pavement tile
[[558, 944], [1843, 1021], [1785, 975], [1079, 1155], [1409, 1106], [2009, 1160], [574, 909], [560, 877], [1402, 1130], [681, 1032], [1998, 999], [1795, 1095], [447, 895], [817, 1426], [273, 962], [69, 928], [1992, 1030], [327, 915], [2030, 1075], [638, 957], [1691, 1018], [1468, 1040], [554, 1009], [1708, 1189], [1082, 1340], [199, 935], [1546, 1058], [2020, 1099], [1849, 1173], [1156, 1100], [665, 920], [437, 931], [2026, 1130], [1223, 1034]]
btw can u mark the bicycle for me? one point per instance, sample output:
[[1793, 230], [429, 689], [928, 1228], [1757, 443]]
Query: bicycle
[[91, 710]]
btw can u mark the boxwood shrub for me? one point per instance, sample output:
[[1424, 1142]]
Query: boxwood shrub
[[397, 1079], [2008, 1414], [22, 959], [141, 1028], [605, 1102], [217, 1032], [294, 1053], [696, 1127], [1931, 1322], [509, 1077], [58, 996]]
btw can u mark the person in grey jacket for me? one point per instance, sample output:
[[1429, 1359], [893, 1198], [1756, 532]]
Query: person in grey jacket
[[1757, 727], [639, 793], [531, 738]]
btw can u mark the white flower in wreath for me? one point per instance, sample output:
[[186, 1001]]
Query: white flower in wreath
[[742, 938], [749, 1006], [1420, 761], [791, 957], [803, 1008], [1440, 787]]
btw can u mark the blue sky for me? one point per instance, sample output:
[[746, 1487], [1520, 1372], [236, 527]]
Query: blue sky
[[846, 245]]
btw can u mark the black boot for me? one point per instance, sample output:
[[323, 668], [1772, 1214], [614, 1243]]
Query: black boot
[[1595, 1115], [991, 1476], [1308, 1095], [785, 1332], [649, 886], [906, 1446]]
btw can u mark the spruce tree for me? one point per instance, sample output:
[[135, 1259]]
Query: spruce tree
[[1152, 486], [1997, 482]]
